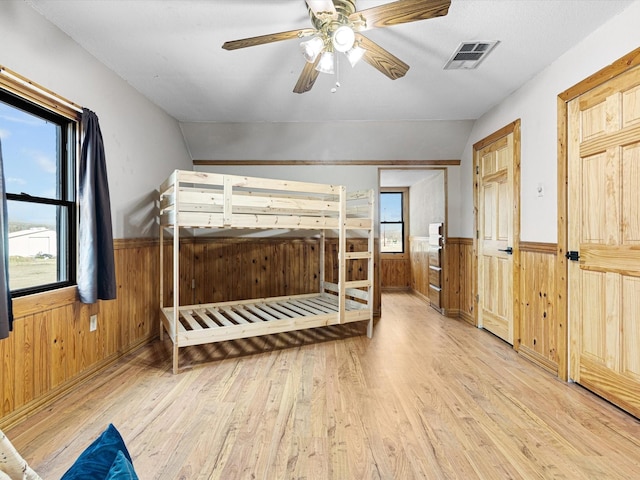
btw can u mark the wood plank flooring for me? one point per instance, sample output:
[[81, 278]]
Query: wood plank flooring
[[427, 398]]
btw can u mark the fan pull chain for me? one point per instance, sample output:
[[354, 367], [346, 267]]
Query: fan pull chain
[[335, 89]]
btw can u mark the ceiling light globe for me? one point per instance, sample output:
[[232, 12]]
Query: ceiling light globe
[[354, 55], [343, 38], [311, 49], [326, 63]]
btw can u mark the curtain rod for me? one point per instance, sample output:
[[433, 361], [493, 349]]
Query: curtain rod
[[40, 90]]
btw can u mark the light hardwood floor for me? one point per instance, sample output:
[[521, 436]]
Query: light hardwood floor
[[427, 398]]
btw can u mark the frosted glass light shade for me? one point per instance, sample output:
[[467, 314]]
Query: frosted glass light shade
[[354, 55], [326, 65], [311, 49], [343, 38]]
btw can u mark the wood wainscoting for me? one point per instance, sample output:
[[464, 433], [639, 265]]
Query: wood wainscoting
[[457, 298], [396, 272], [51, 348], [458, 278], [419, 265], [259, 268], [539, 329]]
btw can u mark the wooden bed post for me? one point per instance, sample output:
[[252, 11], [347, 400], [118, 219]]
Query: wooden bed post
[[323, 246], [176, 271], [342, 249], [161, 272], [370, 264]]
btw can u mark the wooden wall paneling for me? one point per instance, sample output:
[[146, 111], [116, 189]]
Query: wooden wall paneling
[[451, 280], [235, 269], [539, 320], [278, 256], [7, 374], [419, 258], [52, 349], [396, 272], [462, 250], [42, 360], [186, 270]]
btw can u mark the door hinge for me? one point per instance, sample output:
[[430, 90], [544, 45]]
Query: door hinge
[[477, 169], [193, 283], [572, 255], [477, 234]]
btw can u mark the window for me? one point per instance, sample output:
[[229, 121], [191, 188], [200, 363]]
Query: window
[[38, 149], [392, 224]]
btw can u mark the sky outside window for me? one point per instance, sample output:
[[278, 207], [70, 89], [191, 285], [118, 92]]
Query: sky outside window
[[391, 226], [29, 151]]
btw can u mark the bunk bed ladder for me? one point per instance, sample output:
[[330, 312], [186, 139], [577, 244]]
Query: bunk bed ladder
[[352, 287]]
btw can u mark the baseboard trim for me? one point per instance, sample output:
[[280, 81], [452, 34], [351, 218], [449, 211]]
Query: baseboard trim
[[467, 317], [540, 360]]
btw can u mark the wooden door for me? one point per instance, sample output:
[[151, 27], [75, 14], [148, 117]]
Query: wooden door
[[496, 242], [604, 232]]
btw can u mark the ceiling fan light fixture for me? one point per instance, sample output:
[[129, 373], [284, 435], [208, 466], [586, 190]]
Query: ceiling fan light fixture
[[312, 48], [355, 54], [326, 63], [343, 38]]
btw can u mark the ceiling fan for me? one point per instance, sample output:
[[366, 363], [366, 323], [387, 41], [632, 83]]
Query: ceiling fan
[[336, 28]]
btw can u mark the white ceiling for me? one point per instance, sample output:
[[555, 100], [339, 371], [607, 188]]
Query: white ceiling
[[170, 51]]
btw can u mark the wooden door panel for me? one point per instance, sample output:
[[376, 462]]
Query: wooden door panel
[[503, 157], [620, 389], [631, 194], [631, 107], [594, 198], [503, 211], [488, 163], [488, 202], [593, 120], [631, 327], [593, 312]]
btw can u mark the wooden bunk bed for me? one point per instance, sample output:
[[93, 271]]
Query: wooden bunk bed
[[197, 200]]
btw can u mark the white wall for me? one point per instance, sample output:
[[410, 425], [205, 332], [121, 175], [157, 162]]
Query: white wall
[[142, 143], [417, 140], [426, 204], [535, 104]]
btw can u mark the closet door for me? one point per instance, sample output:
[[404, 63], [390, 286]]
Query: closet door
[[494, 170], [604, 240]]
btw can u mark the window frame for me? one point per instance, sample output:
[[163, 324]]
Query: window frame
[[404, 191], [23, 94]]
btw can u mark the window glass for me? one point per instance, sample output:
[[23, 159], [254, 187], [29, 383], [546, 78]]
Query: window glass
[[391, 223], [37, 150]]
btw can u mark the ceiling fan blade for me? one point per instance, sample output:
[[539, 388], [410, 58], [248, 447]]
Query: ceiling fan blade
[[273, 37], [307, 77], [379, 58], [322, 6], [401, 11]]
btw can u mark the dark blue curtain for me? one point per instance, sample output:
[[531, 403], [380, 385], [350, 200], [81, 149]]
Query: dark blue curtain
[[96, 269], [6, 307]]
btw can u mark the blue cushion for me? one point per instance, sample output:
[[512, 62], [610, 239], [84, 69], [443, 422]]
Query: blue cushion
[[95, 462], [121, 469]]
